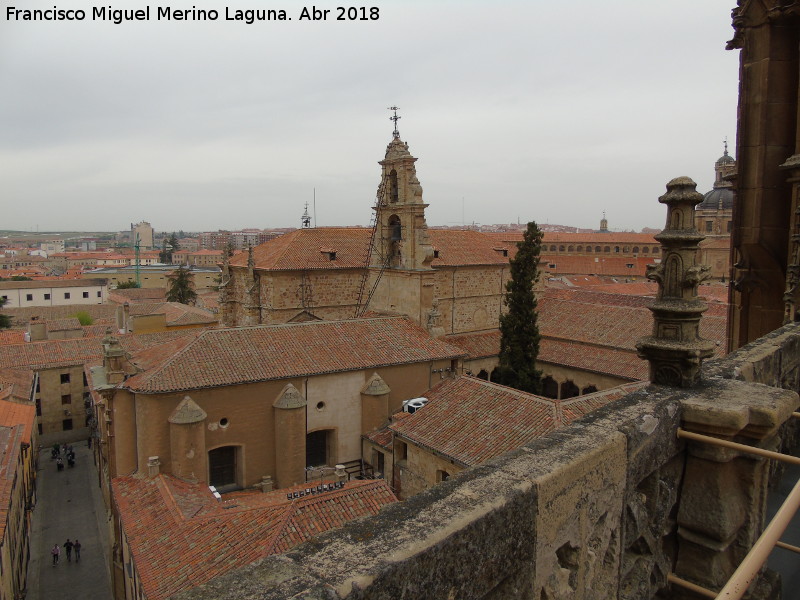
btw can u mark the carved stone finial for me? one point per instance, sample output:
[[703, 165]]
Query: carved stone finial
[[676, 350]]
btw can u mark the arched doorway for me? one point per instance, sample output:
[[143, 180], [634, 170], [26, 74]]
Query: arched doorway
[[549, 387], [222, 467], [318, 448], [482, 374], [569, 390], [589, 389]]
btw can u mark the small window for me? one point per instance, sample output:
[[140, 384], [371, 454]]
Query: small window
[[645, 250], [655, 250], [47, 296], [66, 296], [435, 254], [38, 407], [616, 248], [85, 294], [66, 424], [99, 294], [561, 248], [39, 428], [5, 297], [597, 248], [29, 297], [552, 248], [65, 378], [66, 399], [607, 249]]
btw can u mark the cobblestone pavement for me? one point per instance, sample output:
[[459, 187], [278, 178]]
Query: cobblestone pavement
[[69, 505]]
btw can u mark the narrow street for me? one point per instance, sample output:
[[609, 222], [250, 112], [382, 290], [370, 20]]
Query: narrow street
[[70, 506]]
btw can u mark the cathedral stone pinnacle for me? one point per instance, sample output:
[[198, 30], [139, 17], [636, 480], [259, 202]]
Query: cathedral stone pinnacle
[[375, 386], [676, 350], [290, 397]]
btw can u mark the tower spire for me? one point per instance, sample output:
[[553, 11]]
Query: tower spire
[[305, 220], [725, 143], [395, 118]]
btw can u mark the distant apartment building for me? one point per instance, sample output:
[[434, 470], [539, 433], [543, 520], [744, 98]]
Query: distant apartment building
[[199, 258], [144, 231], [53, 292], [51, 246], [218, 240], [156, 275]]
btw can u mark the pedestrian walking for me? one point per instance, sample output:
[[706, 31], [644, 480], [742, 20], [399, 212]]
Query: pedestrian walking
[[68, 548], [77, 548], [59, 464], [55, 552]]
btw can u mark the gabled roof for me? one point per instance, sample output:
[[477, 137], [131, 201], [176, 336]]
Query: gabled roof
[[302, 249], [465, 247], [180, 536], [471, 420], [219, 357], [77, 351], [311, 249], [13, 414]]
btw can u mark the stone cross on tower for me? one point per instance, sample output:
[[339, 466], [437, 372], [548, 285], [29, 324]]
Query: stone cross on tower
[[676, 350]]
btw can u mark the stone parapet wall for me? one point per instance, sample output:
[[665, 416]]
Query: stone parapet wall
[[604, 508]]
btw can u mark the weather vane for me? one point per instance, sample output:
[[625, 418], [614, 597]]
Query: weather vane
[[395, 118]]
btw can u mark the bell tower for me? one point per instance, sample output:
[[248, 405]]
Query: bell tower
[[401, 253], [401, 238]]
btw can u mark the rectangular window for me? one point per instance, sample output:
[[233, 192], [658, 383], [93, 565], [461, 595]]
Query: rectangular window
[[47, 296], [38, 408], [66, 295], [709, 226], [99, 294], [85, 294], [39, 428], [29, 297], [65, 378], [66, 399], [66, 424]]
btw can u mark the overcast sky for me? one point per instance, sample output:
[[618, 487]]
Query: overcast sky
[[529, 110]]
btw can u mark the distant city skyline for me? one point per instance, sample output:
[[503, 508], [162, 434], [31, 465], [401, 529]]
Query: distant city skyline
[[516, 112]]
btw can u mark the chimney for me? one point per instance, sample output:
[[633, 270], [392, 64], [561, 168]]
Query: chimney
[[153, 464], [37, 329]]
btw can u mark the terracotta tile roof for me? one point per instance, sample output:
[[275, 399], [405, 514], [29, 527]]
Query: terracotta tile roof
[[555, 237], [382, 437], [300, 249], [594, 265], [132, 295], [76, 351], [20, 316], [593, 331], [175, 312], [63, 324], [310, 249], [597, 359], [181, 537], [12, 336], [218, 357], [16, 413], [471, 420], [461, 247]]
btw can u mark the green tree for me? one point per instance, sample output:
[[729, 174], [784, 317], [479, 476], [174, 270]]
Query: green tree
[[84, 318], [181, 290], [5, 320], [125, 285], [173, 242], [519, 333]]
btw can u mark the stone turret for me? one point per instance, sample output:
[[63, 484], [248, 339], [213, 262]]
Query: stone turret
[[374, 403], [676, 350], [187, 441], [290, 436]]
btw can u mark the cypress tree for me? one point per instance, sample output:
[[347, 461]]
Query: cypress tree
[[519, 333], [181, 288]]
